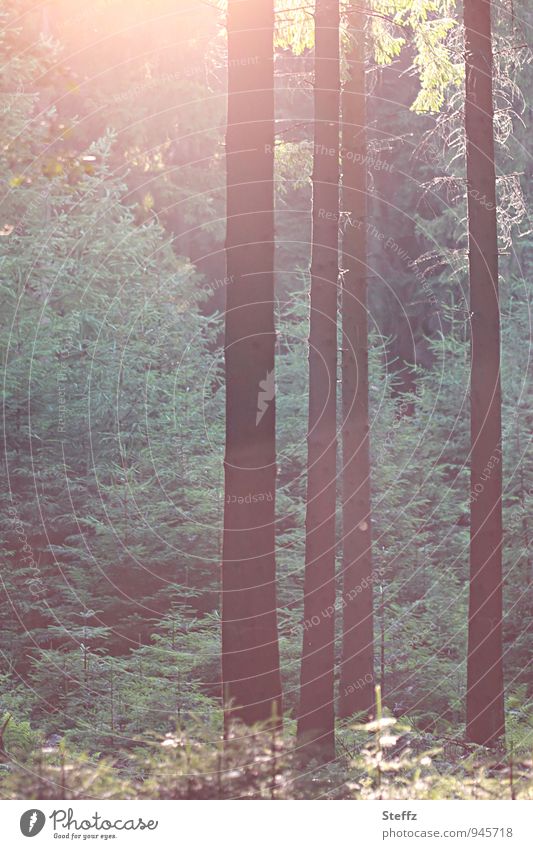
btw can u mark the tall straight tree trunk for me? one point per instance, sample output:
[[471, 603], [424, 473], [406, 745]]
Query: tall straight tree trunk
[[485, 722], [250, 655], [316, 721], [356, 687]]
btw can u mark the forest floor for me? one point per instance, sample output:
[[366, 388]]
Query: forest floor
[[379, 762]]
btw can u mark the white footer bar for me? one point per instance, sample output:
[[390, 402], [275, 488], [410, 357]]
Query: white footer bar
[[263, 824]]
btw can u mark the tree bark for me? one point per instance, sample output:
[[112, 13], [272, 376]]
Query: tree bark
[[485, 721], [356, 687], [250, 654], [316, 721]]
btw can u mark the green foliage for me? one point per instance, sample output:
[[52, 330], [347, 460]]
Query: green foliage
[[379, 761]]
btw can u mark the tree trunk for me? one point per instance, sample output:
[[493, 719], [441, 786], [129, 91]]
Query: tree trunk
[[485, 722], [356, 687], [316, 721], [250, 654]]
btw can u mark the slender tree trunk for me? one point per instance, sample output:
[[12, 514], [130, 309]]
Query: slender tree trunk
[[485, 722], [356, 688], [526, 536], [250, 655], [382, 650], [316, 721]]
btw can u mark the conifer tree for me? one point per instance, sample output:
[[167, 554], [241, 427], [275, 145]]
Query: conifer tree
[[250, 655], [316, 721], [356, 686], [484, 701]]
